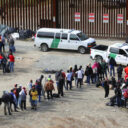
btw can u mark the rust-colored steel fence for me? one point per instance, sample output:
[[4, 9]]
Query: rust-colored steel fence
[[97, 18]]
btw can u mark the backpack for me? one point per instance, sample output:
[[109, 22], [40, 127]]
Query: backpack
[[126, 94], [55, 95]]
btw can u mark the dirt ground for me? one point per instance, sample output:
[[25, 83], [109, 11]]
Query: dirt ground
[[79, 108]]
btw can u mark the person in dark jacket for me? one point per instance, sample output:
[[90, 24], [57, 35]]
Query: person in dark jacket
[[106, 87], [104, 68], [118, 95], [39, 90], [4, 63], [119, 71], [60, 85], [112, 64], [88, 73], [74, 73]]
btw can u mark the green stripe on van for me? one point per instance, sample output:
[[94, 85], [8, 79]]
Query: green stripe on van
[[113, 55], [55, 43]]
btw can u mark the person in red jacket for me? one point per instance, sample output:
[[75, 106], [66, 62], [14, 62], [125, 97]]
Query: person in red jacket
[[11, 62], [126, 72]]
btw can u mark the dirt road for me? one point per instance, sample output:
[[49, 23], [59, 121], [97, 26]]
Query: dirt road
[[79, 108]]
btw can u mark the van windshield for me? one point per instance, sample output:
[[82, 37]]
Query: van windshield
[[82, 36]]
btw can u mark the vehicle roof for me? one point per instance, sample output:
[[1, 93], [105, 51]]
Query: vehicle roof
[[120, 45], [72, 31]]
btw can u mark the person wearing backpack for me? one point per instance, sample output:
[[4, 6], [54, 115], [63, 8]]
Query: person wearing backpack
[[119, 71], [49, 87]]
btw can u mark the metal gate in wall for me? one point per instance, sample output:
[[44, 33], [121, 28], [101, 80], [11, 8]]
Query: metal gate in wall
[[97, 18]]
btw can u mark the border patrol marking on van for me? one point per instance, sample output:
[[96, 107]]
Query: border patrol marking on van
[[55, 43], [113, 55]]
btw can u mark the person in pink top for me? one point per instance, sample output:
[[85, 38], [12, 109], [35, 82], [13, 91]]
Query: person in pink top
[[11, 62]]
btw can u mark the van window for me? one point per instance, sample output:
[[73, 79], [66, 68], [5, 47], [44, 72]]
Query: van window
[[45, 34], [82, 36], [122, 52], [57, 36], [64, 36], [114, 50], [73, 37]]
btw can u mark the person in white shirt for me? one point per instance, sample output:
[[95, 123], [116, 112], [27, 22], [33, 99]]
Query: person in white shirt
[[79, 77], [69, 79]]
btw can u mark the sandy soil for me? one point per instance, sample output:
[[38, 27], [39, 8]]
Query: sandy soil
[[79, 108]]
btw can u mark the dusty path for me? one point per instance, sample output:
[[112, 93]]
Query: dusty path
[[79, 108]]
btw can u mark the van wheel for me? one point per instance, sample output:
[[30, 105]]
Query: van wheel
[[44, 47], [82, 50], [99, 58]]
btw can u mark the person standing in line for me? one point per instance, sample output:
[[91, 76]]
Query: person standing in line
[[119, 72], [74, 74], [126, 72], [87, 75], [11, 62], [112, 64], [106, 87], [39, 90], [1, 59], [79, 77], [1, 44], [68, 80], [71, 71], [95, 75], [64, 76], [4, 64], [61, 84], [49, 87], [104, 69], [34, 95], [91, 73], [3, 41], [118, 95], [30, 85], [23, 94]]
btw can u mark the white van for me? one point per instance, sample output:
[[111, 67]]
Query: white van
[[49, 38]]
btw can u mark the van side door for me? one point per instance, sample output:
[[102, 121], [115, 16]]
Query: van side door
[[63, 41], [74, 41], [56, 41]]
